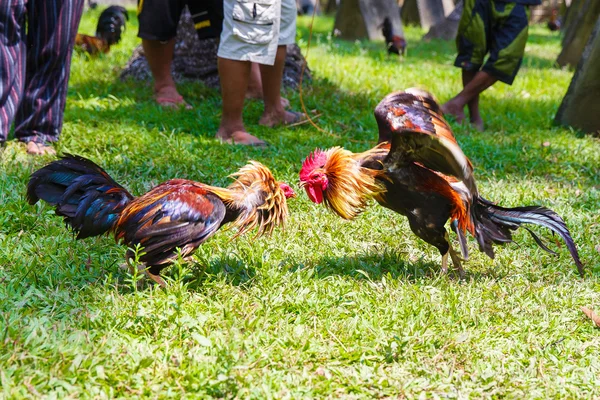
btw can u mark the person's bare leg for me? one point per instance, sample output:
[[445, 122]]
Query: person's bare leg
[[473, 105], [160, 58], [255, 87], [272, 76], [234, 76], [480, 81], [255, 90]]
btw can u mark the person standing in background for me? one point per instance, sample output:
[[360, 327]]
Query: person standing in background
[[36, 46], [497, 27]]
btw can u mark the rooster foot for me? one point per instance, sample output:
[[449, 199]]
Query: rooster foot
[[142, 268], [456, 260]]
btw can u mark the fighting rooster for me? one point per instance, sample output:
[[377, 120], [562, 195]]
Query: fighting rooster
[[395, 44], [418, 170], [111, 24], [175, 214]]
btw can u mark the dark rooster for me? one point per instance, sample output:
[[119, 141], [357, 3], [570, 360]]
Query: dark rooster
[[111, 24], [554, 23], [176, 214], [418, 170], [395, 44]]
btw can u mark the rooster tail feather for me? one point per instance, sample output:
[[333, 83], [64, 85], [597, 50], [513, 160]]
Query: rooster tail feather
[[83, 193], [494, 225], [111, 24]]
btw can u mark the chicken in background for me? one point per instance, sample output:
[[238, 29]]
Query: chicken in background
[[111, 25], [178, 213], [554, 23], [395, 44], [418, 170]]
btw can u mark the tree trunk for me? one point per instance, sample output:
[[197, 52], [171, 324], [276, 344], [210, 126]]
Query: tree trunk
[[196, 59], [580, 107], [410, 13], [447, 29], [571, 12], [362, 19], [434, 12], [331, 6], [582, 17]]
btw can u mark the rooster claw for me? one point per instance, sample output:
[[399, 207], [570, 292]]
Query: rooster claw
[[141, 268]]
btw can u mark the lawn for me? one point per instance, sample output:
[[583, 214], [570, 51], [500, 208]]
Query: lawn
[[325, 308]]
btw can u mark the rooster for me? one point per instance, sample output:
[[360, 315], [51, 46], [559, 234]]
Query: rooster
[[111, 24], [395, 44], [554, 22], [418, 170], [178, 213]]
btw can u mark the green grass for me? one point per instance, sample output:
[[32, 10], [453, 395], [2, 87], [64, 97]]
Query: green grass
[[324, 308]]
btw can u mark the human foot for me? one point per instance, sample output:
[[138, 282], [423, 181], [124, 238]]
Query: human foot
[[238, 137], [283, 117], [454, 109], [168, 97], [38, 149]]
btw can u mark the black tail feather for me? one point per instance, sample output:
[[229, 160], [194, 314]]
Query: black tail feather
[[111, 24], [83, 193], [493, 224]]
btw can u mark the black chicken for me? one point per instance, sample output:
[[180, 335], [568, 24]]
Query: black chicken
[[395, 44], [111, 25], [554, 23]]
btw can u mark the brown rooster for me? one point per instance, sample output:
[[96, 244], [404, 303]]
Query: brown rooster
[[176, 214], [554, 22], [424, 175], [395, 44], [111, 25]]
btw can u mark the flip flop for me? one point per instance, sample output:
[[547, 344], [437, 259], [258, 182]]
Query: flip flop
[[298, 117], [231, 141], [172, 102], [257, 144]]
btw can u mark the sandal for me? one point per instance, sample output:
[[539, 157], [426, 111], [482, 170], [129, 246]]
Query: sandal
[[173, 102]]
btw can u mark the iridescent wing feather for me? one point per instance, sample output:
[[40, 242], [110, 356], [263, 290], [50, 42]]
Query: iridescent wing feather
[[169, 217], [414, 124]]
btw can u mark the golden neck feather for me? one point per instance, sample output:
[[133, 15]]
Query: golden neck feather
[[257, 198], [349, 185]]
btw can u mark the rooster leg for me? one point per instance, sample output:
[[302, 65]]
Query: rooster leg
[[155, 278], [143, 269], [445, 263], [456, 260]]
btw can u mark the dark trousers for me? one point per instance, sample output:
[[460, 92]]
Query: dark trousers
[[36, 45]]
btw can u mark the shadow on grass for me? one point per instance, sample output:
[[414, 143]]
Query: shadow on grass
[[230, 268], [388, 264]]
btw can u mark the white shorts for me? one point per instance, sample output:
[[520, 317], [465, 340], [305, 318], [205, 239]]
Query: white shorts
[[252, 29]]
